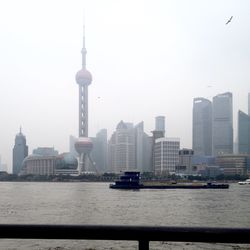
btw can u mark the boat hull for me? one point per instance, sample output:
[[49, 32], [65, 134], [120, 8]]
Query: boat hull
[[114, 186], [246, 182], [206, 186], [131, 180]]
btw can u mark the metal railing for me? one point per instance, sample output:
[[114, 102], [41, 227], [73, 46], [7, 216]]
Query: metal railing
[[142, 234]]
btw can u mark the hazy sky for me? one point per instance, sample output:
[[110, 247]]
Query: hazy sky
[[147, 58]]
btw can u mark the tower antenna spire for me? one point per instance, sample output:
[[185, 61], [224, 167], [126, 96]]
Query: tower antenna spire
[[84, 51]]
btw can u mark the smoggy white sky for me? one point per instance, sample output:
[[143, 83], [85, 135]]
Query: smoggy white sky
[[147, 58]]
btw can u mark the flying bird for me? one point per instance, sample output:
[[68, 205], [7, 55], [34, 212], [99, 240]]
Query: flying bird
[[229, 20]]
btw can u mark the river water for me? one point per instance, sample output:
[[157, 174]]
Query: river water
[[95, 203]]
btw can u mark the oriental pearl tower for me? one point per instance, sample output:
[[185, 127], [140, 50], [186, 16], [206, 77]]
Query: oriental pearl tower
[[84, 144]]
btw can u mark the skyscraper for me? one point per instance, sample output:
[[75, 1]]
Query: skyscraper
[[222, 124], [100, 151], [143, 149], [248, 103], [156, 135], [243, 133], [185, 161], [202, 126], [72, 141], [160, 123], [130, 148], [121, 148], [166, 152], [20, 151], [3, 167], [84, 144]]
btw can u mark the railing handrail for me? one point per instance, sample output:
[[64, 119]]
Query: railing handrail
[[129, 233]]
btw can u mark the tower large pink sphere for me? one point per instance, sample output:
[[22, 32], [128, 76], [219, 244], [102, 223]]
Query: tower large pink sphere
[[83, 77]]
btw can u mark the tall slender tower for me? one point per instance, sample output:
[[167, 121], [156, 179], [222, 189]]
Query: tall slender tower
[[84, 144], [20, 151]]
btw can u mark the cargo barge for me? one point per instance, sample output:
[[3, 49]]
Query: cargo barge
[[131, 180]]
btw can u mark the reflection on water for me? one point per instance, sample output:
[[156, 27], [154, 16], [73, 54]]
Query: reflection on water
[[95, 203]]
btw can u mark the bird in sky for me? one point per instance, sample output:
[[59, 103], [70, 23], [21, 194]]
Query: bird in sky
[[229, 20]]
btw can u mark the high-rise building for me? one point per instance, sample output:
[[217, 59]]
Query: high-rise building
[[143, 148], [3, 167], [160, 123], [248, 103], [100, 151], [243, 133], [233, 164], [130, 148], [166, 155], [185, 160], [20, 151], [156, 135], [72, 141], [222, 122], [121, 149], [202, 126], [84, 144]]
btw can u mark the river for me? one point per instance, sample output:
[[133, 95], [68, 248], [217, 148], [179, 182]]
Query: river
[[95, 203]]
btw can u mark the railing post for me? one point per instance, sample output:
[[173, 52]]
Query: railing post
[[143, 245]]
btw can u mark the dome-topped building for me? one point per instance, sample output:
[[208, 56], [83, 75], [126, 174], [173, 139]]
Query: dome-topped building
[[62, 164], [66, 161]]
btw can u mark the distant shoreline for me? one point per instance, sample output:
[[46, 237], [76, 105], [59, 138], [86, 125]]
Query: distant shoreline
[[111, 177]]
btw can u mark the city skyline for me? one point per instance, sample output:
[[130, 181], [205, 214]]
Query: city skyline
[[137, 75]]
